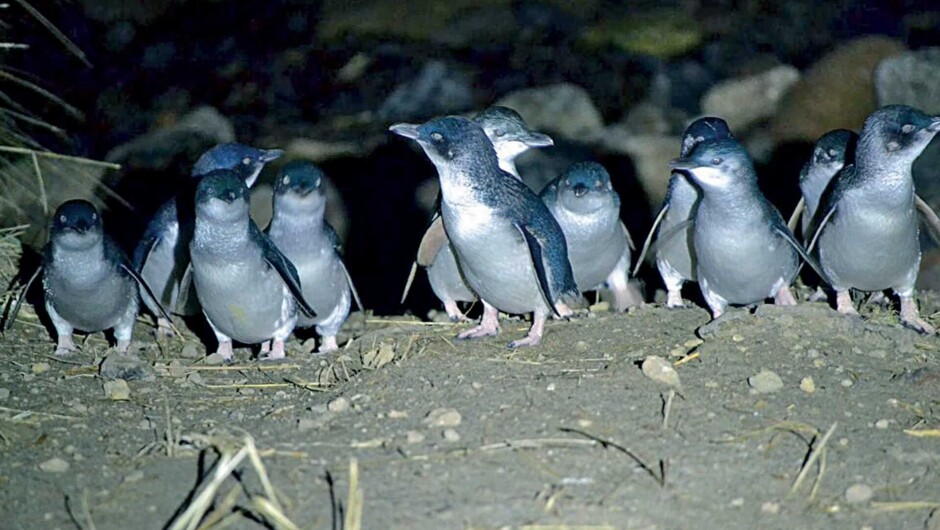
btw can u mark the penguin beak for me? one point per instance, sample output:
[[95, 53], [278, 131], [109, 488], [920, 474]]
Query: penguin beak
[[228, 197], [408, 130], [682, 164], [934, 125], [271, 154], [534, 139], [579, 190]]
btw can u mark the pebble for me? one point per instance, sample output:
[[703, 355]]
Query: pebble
[[54, 465], [414, 437], [882, 424], [772, 508], [660, 370], [4, 394], [134, 476], [443, 417], [765, 382], [807, 385], [213, 359], [847, 383], [397, 414], [39, 368], [600, 307], [190, 351], [858, 494], [581, 346], [117, 390], [339, 404], [451, 435]]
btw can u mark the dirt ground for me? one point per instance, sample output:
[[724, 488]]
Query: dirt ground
[[452, 434]]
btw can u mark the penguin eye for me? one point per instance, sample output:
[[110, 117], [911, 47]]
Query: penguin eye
[[316, 183], [286, 180], [832, 153], [716, 161], [62, 218], [499, 133], [907, 128], [94, 216], [246, 160], [436, 136]]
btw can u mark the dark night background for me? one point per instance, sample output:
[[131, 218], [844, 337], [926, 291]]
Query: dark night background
[[323, 80]]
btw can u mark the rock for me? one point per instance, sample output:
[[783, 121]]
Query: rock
[[564, 109], [451, 435], [882, 424], [765, 382], [835, 92], [54, 465], [858, 494], [414, 437], [4, 394], [214, 359], [910, 78], [651, 155], [443, 417], [190, 351], [134, 476], [745, 101], [117, 390], [340, 404], [660, 370], [39, 368], [438, 89], [807, 385], [662, 33], [125, 366]]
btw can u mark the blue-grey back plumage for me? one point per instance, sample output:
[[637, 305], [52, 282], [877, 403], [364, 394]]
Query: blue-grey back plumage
[[866, 232], [248, 290], [300, 232], [831, 152], [587, 208], [511, 250], [162, 254], [744, 252]]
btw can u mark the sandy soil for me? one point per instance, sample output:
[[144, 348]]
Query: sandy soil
[[453, 434]]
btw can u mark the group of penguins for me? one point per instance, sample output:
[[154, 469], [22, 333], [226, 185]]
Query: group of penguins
[[494, 240]]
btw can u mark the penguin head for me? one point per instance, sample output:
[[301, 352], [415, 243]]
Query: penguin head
[[707, 129], [585, 187], [509, 133], [245, 160], [900, 131], [76, 225], [449, 140], [299, 188], [835, 148], [717, 166], [222, 195]]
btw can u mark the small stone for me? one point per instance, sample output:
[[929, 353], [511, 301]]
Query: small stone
[[117, 390], [600, 307], [4, 394], [126, 366], [190, 351], [134, 476], [39, 368], [772, 508], [660, 370], [765, 382], [54, 465], [476, 385], [737, 502], [858, 494], [693, 343], [308, 424], [451, 435], [807, 385], [397, 414], [550, 387], [581, 346], [882, 424], [414, 437], [340, 404], [846, 383], [737, 338], [443, 417], [196, 379], [213, 359]]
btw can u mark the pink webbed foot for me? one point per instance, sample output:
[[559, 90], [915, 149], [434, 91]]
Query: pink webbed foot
[[273, 352], [910, 316], [844, 303], [454, 313], [534, 337], [225, 351], [674, 299], [489, 325], [329, 344], [784, 296], [65, 345]]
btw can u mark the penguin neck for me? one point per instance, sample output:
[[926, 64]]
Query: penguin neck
[[465, 180], [304, 229], [222, 239], [508, 164], [82, 266], [735, 202]]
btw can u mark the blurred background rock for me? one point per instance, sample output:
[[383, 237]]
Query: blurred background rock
[[162, 80]]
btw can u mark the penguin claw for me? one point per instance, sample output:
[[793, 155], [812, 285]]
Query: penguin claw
[[65, 346], [478, 332], [910, 317], [272, 350], [674, 300]]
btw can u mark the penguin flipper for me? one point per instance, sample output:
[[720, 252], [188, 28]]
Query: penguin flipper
[[11, 318], [538, 263], [411, 279], [667, 236], [626, 234], [285, 269], [431, 243], [145, 290], [788, 236], [649, 238], [338, 248], [184, 298], [797, 213], [930, 218], [352, 287]]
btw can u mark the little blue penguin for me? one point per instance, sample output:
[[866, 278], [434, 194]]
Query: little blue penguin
[[587, 208], [88, 282], [162, 254], [674, 254], [511, 250], [743, 251], [830, 154], [511, 137], [866, 233], [249, 291], [310, 243]]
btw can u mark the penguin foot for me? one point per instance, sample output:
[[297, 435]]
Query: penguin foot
[[563, 310], [225, 351], [844, 304], [674, 299], [818, 296], [453, 312], [272, 352], [784, 296], [489, 325], [534, 337], [627, 297], [910, 317], [164, 329], [65, 345], [328, 345], [122, 346]]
